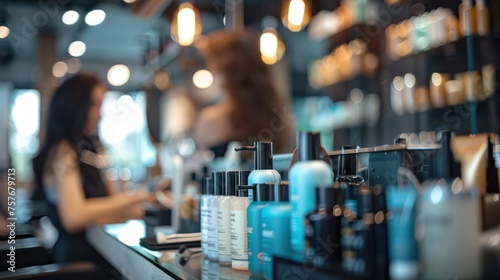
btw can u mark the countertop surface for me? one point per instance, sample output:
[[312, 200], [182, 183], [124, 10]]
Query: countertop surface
[[119, 244]]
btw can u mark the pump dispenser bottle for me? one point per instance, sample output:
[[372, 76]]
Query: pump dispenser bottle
[[207, 192], [263, 165], [239, 243], [224, 217], [323, 226], [276, 229], [263, 195], [304, 176], [218, 179]]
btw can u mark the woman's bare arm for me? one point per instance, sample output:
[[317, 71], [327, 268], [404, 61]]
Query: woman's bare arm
[[78, 212]]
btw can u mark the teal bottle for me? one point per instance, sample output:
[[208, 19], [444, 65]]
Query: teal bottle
[[276, 229], [305, 175], [262, 196]]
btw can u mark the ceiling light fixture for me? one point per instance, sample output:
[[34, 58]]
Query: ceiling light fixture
[[95, 17], [77, 48], [296, 14], [271, 46], [4, 31], [186, 26], [70, 17], [203, 79], [118, 75]]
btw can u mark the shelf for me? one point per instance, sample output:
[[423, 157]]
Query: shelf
[[449, 50], [358, 30]]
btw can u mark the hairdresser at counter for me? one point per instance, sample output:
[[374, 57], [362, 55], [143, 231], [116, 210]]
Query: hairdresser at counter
[[69, 173]]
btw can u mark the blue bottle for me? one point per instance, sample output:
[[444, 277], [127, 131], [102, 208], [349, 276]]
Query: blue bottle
[[276, 229], [263, 165], [305, 175], [262, 195]]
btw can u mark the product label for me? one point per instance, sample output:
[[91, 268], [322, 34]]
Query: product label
[[204, 223], [212, 230], [224, 231], [239, 245]]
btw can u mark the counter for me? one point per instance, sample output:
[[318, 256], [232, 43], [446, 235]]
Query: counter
[[119, 245]]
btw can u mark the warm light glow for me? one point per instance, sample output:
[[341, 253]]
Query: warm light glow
[[296, 14], [77, 48], [203, 79], [118, 75], [74, 65], [269, 47], [59, 69], [95, 17], [4, 32], [186, 26], [129, 1], [70, 17], [162, 80]]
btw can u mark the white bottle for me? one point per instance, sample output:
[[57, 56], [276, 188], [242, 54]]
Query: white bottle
[[213, 204], [239, 244], [207, 193], [224, 217]]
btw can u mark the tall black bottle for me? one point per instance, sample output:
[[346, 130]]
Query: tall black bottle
[[323, 228]]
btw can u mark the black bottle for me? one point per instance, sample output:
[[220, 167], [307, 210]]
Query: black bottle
[[323, 228]]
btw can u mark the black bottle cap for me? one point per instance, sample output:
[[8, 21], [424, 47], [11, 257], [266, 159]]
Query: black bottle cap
[[348, 163], [207, 186], [244, 190], [231, 183], [243, 177], [309, 146], [281, 192], [192, 175], [218, 180], [263, 154], [263, 192]]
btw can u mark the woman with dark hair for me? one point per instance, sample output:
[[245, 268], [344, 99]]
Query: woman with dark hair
[[68, 171], [252, 110]]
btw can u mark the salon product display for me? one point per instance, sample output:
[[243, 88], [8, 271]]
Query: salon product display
[[344, 63], [408, 97]]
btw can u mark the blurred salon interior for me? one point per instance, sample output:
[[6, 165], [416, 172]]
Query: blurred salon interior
[[249, 139]]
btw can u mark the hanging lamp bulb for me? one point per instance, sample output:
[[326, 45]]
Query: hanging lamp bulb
[[186, 25]]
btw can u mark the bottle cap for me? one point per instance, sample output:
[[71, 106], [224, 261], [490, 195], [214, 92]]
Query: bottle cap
[[263, 154], [243, 190], [207, 186], [218, 180], [243, 177], [231, 183], [281, 192], [309, 146], [263, 192]]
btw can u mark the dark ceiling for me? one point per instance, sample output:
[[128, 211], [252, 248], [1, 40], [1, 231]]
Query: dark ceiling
[[121, 38]]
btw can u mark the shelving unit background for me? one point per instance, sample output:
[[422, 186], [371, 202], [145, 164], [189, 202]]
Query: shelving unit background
[[449, 58]]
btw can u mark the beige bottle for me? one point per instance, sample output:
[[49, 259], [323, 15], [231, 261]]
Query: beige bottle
[[239, 244], [467, 18], [483, 18]]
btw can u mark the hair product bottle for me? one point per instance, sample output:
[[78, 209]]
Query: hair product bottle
[[305, 175]]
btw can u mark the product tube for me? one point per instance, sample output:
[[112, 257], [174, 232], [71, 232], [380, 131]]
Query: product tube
[[403, 248]]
